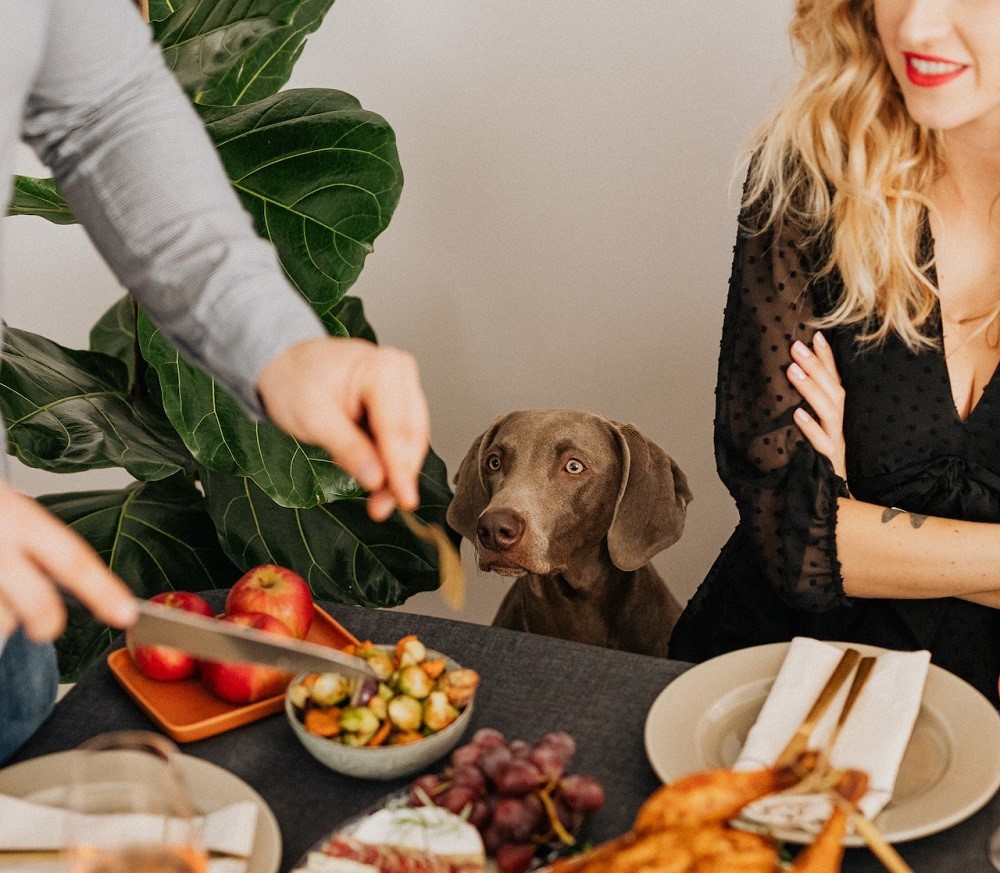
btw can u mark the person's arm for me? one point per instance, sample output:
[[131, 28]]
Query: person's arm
[[785, 491], [141, 175], [887, 552]]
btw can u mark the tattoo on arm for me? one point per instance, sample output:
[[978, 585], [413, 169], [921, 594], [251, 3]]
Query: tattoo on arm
[[916, 519]]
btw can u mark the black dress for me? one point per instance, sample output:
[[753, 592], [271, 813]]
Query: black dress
[[778, 576]]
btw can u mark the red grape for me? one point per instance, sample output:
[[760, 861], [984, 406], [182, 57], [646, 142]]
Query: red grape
[[519, 749], [488, 737], [468, 754], [514, 857], [493, 760], [469, 776], [549, 762], [562, 742], [518, 778], [581, 793], [423, 789], [456, 798], [518, 818]]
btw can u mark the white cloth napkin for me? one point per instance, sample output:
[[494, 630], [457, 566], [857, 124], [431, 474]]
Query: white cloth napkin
[[873, 739], [31, 825]]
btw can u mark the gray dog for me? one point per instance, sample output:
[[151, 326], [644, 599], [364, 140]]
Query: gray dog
[[574, 505]]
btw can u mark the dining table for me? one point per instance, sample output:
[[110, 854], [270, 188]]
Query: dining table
[[530, 685]]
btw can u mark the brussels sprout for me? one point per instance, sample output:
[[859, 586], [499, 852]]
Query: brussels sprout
[[415, 682], [329, 689], [380, 661], [359, 720], [380, 707], [438, 712], [459, 686], [409, 651], [385, 692], [405, 713], [299, 695]]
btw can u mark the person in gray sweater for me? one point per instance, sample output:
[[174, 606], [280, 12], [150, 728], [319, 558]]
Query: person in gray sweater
[[87, 88]]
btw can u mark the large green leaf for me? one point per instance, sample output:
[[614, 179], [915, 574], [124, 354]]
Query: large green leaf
[[156, 536], [114, 334], [69, 410], [223, 439], [343, 554], [39, 197], [321, 178], [229, 52]]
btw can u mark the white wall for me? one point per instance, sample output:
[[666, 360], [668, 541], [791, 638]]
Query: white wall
[[566, 226]]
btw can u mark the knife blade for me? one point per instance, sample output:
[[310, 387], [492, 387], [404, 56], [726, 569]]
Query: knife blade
[[216, 640]]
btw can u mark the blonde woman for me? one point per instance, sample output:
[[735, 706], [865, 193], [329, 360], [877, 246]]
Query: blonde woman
[[858, 406]]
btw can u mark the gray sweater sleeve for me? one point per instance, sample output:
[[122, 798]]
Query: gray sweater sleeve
[[141, 175]]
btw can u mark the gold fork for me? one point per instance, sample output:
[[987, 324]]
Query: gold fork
[[450, 572]]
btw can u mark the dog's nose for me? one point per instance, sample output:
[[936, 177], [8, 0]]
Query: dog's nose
[[500, 529]]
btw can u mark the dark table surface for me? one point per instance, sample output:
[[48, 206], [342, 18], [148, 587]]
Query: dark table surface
[[530, 685]]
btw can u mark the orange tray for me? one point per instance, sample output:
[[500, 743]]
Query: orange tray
[[187, 711]]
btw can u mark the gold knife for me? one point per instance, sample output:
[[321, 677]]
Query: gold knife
[[800, 739]]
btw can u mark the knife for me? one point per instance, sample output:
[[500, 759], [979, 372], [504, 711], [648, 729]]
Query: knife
[[216, 640]]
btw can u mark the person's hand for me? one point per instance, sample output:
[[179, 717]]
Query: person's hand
[[814, 375], [37, 553], [362, 403]]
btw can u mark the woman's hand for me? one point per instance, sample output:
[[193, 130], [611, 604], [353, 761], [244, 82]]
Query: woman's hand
[[37, 553], [814, 375], [362, 403]]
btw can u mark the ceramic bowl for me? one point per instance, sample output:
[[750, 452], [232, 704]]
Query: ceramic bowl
[[381, 762]]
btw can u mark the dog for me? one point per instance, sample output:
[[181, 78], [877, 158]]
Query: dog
[[578, 504]]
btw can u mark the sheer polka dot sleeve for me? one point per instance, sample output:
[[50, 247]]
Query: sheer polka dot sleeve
[[786, 492]]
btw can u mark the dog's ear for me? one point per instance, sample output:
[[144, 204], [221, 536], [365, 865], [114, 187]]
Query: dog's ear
[[652, 501], [470, 492]]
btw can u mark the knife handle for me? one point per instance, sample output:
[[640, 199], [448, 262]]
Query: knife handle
[[800, 739]]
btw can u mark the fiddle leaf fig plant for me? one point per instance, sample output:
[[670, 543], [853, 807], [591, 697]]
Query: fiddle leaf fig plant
[[216, 493]]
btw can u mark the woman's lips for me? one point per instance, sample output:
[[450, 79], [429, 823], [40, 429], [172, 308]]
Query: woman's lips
[[927, 71]]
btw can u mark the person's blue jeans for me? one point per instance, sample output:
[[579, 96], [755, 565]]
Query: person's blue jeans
[[29, 679]]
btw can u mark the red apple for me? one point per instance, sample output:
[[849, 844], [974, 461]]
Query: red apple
[[275, 591], [163, 662], [238, 682]]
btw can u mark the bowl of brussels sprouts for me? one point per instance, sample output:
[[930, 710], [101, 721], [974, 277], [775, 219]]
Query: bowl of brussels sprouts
[[411, 713]]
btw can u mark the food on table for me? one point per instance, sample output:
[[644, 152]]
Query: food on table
[[682, 827], [401, 839], [163, 662], [237, 682], [277, 591], [414, 696], [518, 795]]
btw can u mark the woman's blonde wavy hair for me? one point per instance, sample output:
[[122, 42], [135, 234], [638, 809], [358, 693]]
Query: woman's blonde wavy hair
[[843, 160]]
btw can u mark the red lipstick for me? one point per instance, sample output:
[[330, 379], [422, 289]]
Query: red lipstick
[[928, 71]]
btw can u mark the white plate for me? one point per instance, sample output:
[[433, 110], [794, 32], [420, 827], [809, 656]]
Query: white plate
[[950, 769], [211, 788]]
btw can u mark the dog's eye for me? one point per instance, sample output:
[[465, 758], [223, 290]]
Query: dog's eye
[[574, 466], [493, 463]]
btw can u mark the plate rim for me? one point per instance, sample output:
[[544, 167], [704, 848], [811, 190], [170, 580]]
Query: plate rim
[[265, 856], [939, 683]]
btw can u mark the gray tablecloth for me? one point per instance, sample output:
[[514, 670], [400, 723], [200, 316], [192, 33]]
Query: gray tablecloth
[[531, 685]]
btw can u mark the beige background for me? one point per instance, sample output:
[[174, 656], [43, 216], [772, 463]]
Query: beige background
[[566, 227]]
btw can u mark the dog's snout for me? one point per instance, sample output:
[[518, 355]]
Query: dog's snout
[[500, 529]]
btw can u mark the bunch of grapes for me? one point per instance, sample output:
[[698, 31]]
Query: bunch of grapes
[[519, 796]]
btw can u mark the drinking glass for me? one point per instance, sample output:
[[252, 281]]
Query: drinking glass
[[129, 810]]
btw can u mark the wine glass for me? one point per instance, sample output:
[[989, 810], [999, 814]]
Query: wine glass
[[129, 810]]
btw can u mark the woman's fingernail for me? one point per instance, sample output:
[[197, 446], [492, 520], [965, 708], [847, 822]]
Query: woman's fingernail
[[802, 348], [819, 339], [800, 414], [797, 372]]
